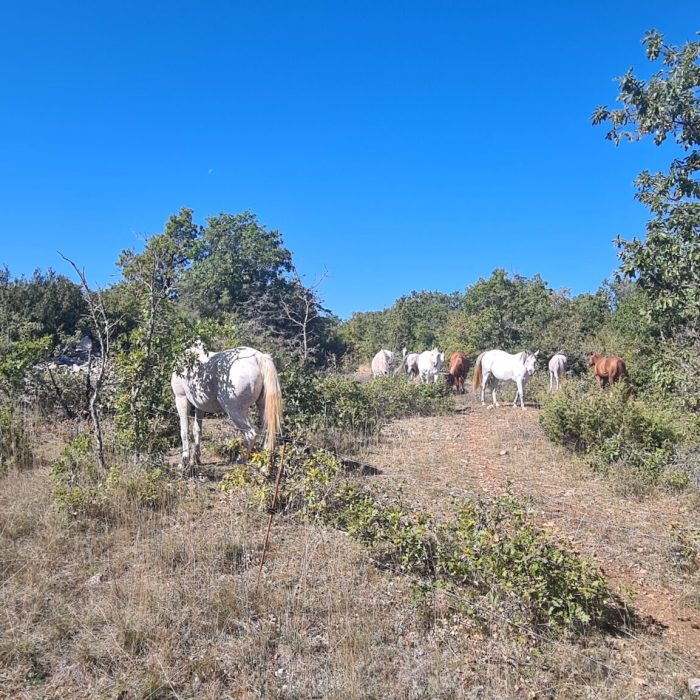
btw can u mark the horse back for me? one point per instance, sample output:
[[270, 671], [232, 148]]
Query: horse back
[[459, 364]]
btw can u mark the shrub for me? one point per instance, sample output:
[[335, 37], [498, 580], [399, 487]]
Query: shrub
[[15, 450], [494, 544], [81, 488], [615, 430], [490, 547], [336, 410]]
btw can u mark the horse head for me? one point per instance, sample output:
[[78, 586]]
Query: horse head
[[530, 363], [592, 359]]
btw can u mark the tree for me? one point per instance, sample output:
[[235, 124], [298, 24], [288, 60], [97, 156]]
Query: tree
[[503, 311], [667, 105], [102, 330], [416, 321], [146, 357], [236, 259]]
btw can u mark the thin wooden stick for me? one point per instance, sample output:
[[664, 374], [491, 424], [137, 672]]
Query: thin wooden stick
[[278, 481]]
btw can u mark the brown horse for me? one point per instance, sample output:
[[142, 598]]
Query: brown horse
[[459, 366], [608, 370]]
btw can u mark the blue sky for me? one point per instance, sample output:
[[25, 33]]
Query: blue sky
[[398, 146]]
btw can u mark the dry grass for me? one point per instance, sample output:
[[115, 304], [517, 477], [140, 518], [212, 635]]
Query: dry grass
[[164, 604]]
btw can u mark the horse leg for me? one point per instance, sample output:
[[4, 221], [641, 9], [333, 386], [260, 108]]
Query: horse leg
[[519, 383], [197, 435], [183, 407], [551, 382], [241, 423], [494, 398]]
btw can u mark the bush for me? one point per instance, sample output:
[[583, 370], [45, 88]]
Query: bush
[[491, 547], [335, 410], [15, 450], [81, 488], [494, 544], [615, 430]]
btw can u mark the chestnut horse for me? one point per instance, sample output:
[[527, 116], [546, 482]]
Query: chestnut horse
[[608, 370], [459, 366]]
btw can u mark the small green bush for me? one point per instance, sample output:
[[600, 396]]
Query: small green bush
[[323, 408], [494, 544], [81, 488], [490, 547], [230, 449], [612, 428]]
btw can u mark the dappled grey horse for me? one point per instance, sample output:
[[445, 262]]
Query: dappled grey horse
[[229, 382]]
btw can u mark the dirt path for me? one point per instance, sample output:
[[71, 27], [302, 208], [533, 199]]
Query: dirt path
[[478, 451]]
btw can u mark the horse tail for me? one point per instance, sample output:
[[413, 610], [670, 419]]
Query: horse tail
[[476, 382], [623, 370], [272, 415]]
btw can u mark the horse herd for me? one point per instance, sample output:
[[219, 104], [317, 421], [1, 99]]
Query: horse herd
[[231, 381], [492, 366]]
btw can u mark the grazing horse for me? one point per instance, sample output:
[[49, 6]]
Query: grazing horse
[[230, 382], [557, 367], [459, 366], [383, 363], [410, 364], [429, 363], [502, 366], [607, 370]]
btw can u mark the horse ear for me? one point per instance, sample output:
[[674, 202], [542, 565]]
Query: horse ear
[[537, 353]]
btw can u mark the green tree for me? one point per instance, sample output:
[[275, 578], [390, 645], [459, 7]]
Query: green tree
[[666, 106], [416, 321], [236, 260], [503, 311], [46, 304], [149, 347]]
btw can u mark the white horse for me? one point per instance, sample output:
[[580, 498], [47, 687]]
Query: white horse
[[228, 382], [557, 367], [500, 366], [429, 363], [410, 364], [383, 363]]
